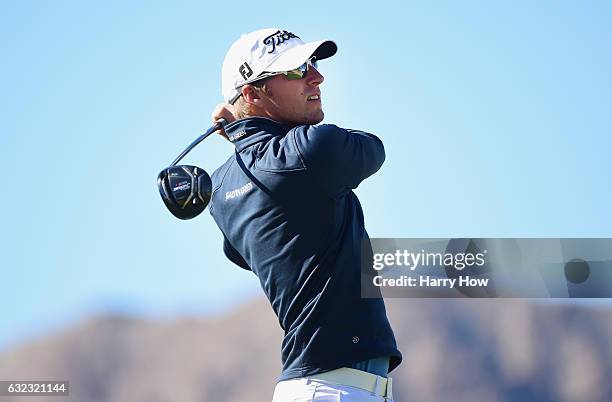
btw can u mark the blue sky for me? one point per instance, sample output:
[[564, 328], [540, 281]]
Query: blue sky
[[495, 117]]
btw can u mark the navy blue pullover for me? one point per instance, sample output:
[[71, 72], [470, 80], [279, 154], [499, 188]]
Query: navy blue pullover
[[285, 205]]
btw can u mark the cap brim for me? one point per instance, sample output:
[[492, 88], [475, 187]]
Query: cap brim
[[295, 57]]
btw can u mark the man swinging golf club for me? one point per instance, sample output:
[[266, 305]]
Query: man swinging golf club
[[285, 205]]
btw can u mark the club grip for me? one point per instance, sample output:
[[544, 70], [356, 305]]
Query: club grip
[[221, 123]]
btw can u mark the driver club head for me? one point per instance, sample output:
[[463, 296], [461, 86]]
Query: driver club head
[[185, 189]]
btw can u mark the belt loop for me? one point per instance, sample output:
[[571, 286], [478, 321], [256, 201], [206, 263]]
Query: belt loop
[[375, 390], [389, 393]]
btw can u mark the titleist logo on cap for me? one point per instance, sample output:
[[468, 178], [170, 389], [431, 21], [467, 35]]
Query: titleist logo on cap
[[277, 38]]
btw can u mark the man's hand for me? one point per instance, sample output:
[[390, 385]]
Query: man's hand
[[223, 111]]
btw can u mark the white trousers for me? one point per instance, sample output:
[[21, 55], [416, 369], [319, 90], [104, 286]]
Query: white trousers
[[308, 390]]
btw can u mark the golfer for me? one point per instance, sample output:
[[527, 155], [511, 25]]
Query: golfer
[[285, 205]]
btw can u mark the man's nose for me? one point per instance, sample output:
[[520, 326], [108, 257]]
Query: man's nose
[[314, 77]]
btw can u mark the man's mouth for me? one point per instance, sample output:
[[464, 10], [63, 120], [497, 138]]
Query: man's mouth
[[313, 97]]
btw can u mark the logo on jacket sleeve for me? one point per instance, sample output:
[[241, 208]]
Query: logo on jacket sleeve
[[239, 192]]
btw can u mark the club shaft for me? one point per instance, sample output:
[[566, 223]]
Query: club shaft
[[218, 125]]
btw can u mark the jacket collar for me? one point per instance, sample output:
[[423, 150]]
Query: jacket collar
[[252, 130]]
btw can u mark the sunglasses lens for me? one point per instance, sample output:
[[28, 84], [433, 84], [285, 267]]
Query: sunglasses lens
[[295, 74], [300, 72]]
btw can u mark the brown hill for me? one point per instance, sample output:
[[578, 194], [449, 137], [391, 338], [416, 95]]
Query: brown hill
[[459, 350]]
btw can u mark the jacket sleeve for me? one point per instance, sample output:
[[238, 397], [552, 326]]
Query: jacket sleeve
[[337, 158], [233, 255]]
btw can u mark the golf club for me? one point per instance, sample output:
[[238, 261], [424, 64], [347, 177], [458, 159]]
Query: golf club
[[186, 189]]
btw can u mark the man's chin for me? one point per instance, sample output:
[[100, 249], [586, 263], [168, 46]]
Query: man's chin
[[316, 119], [312, 118]]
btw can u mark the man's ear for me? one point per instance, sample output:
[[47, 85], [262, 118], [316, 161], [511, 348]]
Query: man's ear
[[251, 95]]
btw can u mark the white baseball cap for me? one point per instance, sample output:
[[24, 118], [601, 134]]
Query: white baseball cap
[[267, 50]]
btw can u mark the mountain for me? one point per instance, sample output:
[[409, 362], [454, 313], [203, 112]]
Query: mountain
[[454, 349]]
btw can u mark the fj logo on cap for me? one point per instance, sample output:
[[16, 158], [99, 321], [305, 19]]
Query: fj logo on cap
[[245, 70], [277, 38]]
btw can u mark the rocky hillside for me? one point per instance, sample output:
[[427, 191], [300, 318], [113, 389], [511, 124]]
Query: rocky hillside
[[459, 350]]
